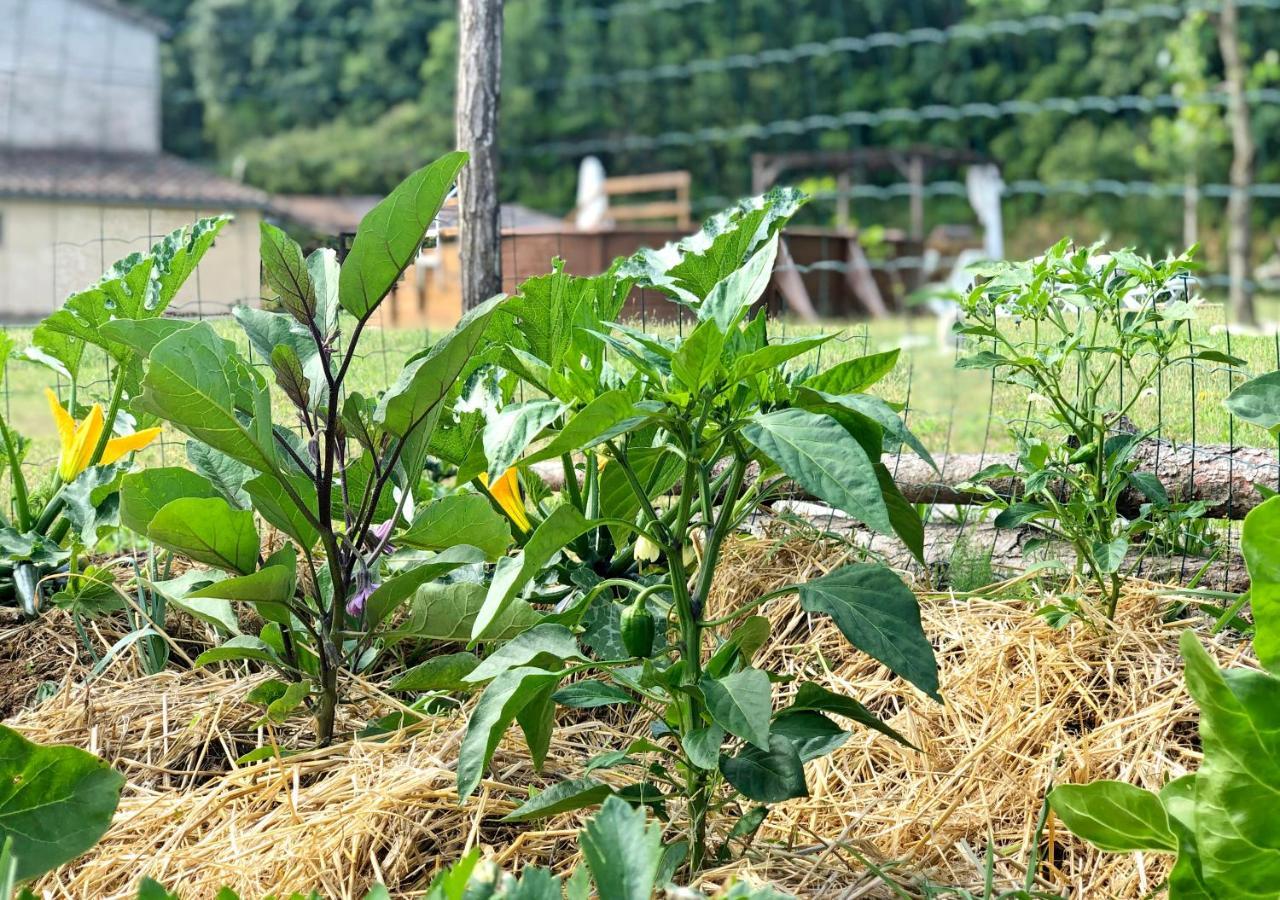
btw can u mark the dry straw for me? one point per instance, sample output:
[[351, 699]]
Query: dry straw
[[1026, 706]]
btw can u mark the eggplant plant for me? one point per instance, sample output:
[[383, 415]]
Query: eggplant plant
[[1087, 336], [48, 521], [667, 445], [339, 480]]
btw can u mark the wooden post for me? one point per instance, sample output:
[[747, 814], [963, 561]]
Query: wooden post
[[1240, 294], [479, 81]]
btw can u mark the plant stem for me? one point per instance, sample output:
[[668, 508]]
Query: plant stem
[[18, 479]]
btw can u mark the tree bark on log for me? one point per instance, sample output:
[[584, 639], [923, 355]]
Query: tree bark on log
[[476, 118]]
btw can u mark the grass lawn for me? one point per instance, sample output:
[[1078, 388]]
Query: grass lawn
[[949, 409]]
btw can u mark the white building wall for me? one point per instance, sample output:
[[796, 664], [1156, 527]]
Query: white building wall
[[75, 75]]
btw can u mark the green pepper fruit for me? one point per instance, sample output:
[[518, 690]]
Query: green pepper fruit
[[637, 628], [1084, 454]]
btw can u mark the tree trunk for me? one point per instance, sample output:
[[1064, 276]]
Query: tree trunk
[[1241, 289], [479, 81]]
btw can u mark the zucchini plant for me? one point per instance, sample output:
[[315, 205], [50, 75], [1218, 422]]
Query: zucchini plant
[[1086, 336], [49, 521], [339, 478], [667, 445]]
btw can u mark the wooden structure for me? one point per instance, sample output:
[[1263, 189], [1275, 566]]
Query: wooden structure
[[678, 210]]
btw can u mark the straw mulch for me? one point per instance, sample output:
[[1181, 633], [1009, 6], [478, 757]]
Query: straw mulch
[[1026, 706]]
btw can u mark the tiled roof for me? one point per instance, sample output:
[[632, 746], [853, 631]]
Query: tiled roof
[[124, 178]]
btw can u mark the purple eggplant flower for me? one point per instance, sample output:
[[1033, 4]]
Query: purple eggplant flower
[[365, 586]]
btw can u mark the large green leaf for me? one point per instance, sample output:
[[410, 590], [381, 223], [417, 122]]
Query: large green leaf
[[445, 672], [389, 236], [458, 519], [623, 851], [207, 530], [610, 414], [1237, 787], [811, 733], [285, 272], [697, 361], [1258, 402], [197, 381], [501, 701], [507, 434], [767, 776], [267, 589], [853, 376], [772, 356], [741, 703], [239, 648], [734, 295], [278, 507], [822, 457], [447, 612], [55, 802], [1260, 544], [814, 697], [544, 646], [880, 616], [564, 796], [426, 381], [1114, 816], [514, 572], [388, 596], [882, 414]]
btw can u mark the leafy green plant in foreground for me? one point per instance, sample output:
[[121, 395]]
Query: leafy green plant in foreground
[[48, 522], [1095, 323], [345, 493], [679, 442]]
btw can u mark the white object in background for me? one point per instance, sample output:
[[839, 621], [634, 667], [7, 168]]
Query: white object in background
[[984, 186], [592, 207]]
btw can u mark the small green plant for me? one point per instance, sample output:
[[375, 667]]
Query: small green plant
[[344, 490], [1069, 328], [680, 441], [48, 522]]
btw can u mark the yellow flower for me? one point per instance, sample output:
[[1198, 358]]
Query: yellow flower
[[79, 440], [647, 550], [506, 490]]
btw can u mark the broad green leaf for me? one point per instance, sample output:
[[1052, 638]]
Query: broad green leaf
[[1237, 787], [509, 433], [1015, 515], [731, 297], [562, 797], [983, 359], [771, 356], [703, 746], [883, 415], [388, 596], [218, 613], [697, 361], [446, 672], [142, 335], [564, 524], [55, 802], [424, 384], [657, 469], [144, 493], [240, 647], [285, 272], [903, 514], [226, 474], [1110, 554], [390, 235], [505, 696], [623, 851], [447, 612], [274, 504], [814, 697], [811, 733], [824, 459], [611, 413], [537, 720], [197, 382], [590, 694], [853, 376], [741, 703], [281, 708], [1257, 402], [544, 646], [1114, 816], [767, 776], [268, 589], [207, 530], [880, 616], [747, 638], [458, 519], [322, 266], [1260, 544]]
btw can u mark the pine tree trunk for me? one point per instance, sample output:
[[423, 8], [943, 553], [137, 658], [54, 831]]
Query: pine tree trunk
[[1241, 290], [479, 82]]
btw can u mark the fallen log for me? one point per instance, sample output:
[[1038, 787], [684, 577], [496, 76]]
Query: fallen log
[[1225, 478]]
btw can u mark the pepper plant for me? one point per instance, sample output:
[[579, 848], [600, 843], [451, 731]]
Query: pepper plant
[[340, 479], [679, 441], [48, 521], [1087, 336]]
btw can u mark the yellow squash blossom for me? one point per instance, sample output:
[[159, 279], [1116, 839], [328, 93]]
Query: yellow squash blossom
[[79, 439], [506, 490]]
